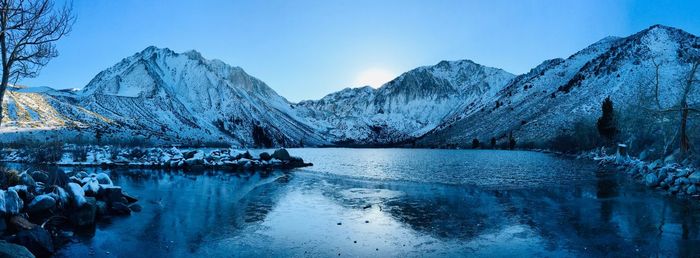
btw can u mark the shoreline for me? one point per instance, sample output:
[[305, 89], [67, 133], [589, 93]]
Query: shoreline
[[670, 177], [156, 158]]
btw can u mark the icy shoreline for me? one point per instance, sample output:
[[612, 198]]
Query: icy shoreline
[[162, 158], [670, 177], [40, 211]]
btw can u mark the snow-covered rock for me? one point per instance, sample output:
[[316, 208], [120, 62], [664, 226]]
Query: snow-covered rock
[[41, 203], [651, 180], [12, 203], [91, 185], [103, 179], [77, 194]]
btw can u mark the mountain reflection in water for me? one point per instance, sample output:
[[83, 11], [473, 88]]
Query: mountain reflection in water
[[316, 212]]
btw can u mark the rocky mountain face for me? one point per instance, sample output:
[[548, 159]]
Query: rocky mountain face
[[556, 95], [406, 107], [183, 98]]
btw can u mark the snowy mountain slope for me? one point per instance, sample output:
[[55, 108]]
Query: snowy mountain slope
[[548, 100], [165, 97], [406, 107], [184, 97], [45, 108]]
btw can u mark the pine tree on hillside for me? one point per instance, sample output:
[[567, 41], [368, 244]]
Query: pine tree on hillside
[[475, 143], [606, 123], [511, 141]]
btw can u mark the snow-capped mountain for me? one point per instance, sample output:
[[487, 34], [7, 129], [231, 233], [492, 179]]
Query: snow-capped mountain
[[406, 107], [552, 97], [183, 98]]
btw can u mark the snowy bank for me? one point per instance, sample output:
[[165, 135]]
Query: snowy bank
[[670, 177], [164, 158]]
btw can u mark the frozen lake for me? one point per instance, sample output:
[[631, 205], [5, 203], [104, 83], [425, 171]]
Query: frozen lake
[[397, 202]]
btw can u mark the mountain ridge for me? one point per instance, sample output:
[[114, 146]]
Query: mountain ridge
[[184, 97]]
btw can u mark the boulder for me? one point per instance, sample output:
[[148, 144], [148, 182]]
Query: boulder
[[651, 180], [74, 180], [681, 181], [10, 250], [81, 175], [27, 180], [112, 194], [40, 176], [37, 240], [85, 214], [674, 189], [101, 208], [265, 156], [194, 161], [103, 179], [59, 178], [694, 177], [188, 154], [682, 173], [20, 223], [120, 208], [129, 198], [91, 186], [135, 207], [41, 203], [281, 154], [691, 190], [657, 163], [12, 204], [61, 196], [662, 174], [77, 194]]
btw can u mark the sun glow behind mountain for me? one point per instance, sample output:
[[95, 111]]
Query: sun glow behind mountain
[[374, 77]]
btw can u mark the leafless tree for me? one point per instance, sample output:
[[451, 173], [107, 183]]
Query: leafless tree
[[682, 106], [28, 32]]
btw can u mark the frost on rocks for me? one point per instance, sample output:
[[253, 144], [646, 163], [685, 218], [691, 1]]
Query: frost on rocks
[[12, 203], [77, 194], [103, 179]]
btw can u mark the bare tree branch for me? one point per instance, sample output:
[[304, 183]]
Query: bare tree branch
[[28, 32]]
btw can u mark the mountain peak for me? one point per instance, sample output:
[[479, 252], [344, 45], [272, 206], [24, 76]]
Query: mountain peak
[[658, 29], [193, 54]]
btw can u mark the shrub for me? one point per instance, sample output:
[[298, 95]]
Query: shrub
[[48, 153], [582, 137]]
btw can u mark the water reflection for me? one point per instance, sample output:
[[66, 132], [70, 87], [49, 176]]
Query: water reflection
[[308, 213]]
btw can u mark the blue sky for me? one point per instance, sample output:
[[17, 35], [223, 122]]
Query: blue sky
[[307, 49]]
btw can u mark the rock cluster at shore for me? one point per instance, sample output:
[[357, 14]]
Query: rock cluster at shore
[[166, 158], [38, 210], [670, 177]]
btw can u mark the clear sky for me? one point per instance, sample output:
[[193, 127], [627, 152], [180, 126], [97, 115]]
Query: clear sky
[[307, 49]]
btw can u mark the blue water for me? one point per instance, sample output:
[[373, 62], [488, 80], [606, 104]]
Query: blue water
[[398, 202]]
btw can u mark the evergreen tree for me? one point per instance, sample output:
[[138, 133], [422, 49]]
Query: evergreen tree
[[511, 141], [475, 143], [493, 142], [606, 123]]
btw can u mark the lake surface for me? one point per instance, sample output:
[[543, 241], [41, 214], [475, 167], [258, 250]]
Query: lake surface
[[398, 202]]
